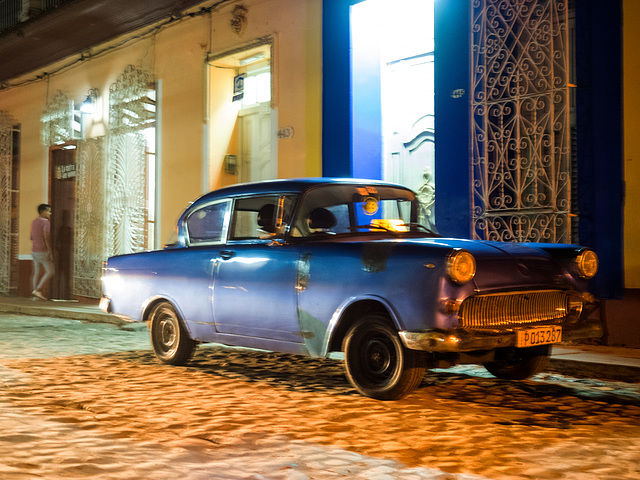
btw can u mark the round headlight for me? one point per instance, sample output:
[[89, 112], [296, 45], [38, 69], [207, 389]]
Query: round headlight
[[461, 266], [587, 262]]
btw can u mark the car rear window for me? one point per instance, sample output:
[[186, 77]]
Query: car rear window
[[206, 225]]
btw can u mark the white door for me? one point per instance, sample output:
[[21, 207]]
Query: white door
[[408, 128], [255, 144]]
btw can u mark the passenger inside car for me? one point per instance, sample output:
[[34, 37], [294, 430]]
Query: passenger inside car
[[320, 221]]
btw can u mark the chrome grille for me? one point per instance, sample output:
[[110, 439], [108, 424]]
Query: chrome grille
[[513, 309]]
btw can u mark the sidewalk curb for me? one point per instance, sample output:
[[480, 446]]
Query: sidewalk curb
[[69, 313], [601, 371]]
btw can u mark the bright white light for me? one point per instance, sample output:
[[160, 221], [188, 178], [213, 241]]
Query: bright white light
[[263, 87], [86, 107], [404, 27], [257, 89]]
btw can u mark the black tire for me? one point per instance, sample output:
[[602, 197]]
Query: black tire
[[377, 364], [519, 363], [170, 340]]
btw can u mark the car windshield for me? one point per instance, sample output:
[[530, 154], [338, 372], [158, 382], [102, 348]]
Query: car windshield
[[357, 209]]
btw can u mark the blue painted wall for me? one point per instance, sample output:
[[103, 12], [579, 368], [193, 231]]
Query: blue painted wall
[[336, 89], [452, 122], [600, 139], [349, 148]]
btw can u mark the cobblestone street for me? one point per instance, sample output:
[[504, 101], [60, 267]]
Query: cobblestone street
[[90, 401]]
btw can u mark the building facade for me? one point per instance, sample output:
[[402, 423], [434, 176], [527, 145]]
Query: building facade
[[506, 116], [119, 137]]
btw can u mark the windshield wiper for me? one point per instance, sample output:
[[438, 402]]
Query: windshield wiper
[[375, 227]]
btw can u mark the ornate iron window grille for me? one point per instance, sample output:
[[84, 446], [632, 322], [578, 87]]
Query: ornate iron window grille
[[57, 120], [521, 164], [60, 121], [132, 103], [8, 203]]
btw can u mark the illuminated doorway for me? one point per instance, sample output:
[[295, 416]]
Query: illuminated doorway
[[393, 94], [242, 120]]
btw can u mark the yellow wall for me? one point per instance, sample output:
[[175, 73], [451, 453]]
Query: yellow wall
[[631, 62], [296, 68], [176, 56]]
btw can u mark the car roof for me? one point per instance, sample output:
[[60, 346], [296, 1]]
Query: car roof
[[292, 185]]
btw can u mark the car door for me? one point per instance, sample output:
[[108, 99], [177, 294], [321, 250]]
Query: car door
[[187, 272], [254, 280]]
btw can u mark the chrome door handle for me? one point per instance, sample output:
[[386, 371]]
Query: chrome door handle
[[227, 254]]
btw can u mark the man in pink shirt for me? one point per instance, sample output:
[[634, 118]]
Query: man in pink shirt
[[41, 250]]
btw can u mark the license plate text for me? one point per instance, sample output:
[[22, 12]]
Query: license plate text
[[538, 336]]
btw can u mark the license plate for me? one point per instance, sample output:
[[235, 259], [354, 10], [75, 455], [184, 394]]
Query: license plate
[[538, 336]]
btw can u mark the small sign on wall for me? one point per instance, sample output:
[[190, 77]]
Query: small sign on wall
[[238, 87], [63, 172]]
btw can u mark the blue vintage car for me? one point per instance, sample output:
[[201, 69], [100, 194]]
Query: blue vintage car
[[315, 266]]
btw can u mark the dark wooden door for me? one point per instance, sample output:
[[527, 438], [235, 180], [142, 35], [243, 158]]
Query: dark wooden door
[[62, 178]]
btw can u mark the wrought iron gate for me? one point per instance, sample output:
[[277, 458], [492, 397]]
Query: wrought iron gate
[[131, 111], [521, 167], [8, 203], [89, 244]]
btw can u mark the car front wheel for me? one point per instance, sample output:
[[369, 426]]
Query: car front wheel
[[519, 363], [170, 340], [377, 363]]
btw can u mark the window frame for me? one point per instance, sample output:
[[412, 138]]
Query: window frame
[[280, 200], [225, 224]]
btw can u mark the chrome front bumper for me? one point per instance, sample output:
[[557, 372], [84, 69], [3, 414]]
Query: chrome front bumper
[[465, 340]]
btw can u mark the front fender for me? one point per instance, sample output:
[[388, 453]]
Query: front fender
[[346, 314]]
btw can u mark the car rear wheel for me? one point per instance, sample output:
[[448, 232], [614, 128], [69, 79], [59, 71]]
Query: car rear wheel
[[170, 340], [519, 363], [377, 363]]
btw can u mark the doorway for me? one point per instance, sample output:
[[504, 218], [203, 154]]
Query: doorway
[[62, 179], [242, 120], [393, 94]]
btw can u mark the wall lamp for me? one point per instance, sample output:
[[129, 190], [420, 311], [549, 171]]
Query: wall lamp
[[89, 104]]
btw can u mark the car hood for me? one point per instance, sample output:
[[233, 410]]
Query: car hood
[[517, 266], [506, 265]]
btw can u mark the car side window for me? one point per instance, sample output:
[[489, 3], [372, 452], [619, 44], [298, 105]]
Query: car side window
[[330, 219], [259, 218], [206, 225], [253, 218]]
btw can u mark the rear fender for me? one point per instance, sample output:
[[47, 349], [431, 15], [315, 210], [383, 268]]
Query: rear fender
[[151, 303]]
